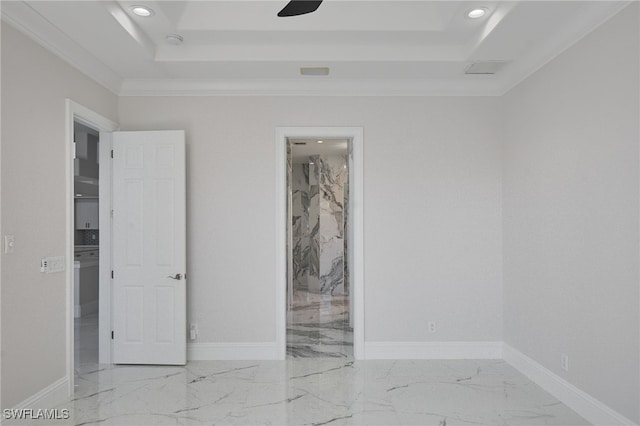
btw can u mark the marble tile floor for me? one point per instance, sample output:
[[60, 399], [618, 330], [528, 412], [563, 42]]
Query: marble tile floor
[[85, 340], [306, 391], [318, 326], [314, 391]]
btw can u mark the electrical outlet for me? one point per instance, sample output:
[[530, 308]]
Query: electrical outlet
[[432, 326], [564, 362], [193, 331], [9, 242]]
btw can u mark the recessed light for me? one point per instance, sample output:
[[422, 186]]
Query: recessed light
[[143, 11], [174, 39], [320, 141], [78, 195], [311, 162], [477, 13]]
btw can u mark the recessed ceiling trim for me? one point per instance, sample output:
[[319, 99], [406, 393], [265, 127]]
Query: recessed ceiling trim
[[313, 54], [574, 31], [489, 25], [25, 19], [28, 20], [129, 25], [484, 67], [474, 86]]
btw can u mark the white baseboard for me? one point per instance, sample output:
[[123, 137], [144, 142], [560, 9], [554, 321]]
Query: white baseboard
[[232, 351], [47, 398], [579, 401], [433, 350]]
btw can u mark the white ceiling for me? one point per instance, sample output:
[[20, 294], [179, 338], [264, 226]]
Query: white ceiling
[[372, 47]]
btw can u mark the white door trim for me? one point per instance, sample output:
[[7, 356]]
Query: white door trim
[[356, 206], [77, 112], [105, 324]]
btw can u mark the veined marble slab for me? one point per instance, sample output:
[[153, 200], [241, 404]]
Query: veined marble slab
[[318, 326], [306, 391], [318, 220], [332, 177]]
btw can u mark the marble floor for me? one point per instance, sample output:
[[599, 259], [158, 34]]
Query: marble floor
[[86, 340], [314, 391], [318, 326], [307, 391]]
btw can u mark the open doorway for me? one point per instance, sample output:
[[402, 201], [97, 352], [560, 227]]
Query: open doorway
[[86, 246], [355, 135], [81, 344], [318, 291]]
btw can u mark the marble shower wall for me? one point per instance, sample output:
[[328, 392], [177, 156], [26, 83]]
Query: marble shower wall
[[313, 279], [332, 176], [347, 238], [300, 225], [289, 225], [318, 225]]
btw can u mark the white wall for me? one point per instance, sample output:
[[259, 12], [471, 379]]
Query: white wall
[[34, 87], [571, 184], [432, 211]]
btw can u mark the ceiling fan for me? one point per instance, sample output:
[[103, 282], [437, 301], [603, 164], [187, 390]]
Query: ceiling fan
[[299, 7]]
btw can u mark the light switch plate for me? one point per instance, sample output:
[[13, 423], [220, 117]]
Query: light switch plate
[[52, 264]]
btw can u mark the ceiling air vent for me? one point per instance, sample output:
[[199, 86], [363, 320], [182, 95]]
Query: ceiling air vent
[[314, 70], [485, 67], [299, 143]]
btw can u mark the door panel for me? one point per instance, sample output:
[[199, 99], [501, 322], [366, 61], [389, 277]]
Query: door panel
[[149, 243]]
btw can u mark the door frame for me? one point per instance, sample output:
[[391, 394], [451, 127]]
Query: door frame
[[356, 210], [74, 112]]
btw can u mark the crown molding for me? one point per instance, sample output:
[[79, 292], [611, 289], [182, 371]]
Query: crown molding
[[25, 19], [313, 87], [575, 30]]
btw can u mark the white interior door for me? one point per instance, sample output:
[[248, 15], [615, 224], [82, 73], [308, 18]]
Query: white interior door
[[149, 248]]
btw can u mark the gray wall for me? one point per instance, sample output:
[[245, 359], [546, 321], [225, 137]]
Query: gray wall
[[432, 210], [571, 214], [34, 87]]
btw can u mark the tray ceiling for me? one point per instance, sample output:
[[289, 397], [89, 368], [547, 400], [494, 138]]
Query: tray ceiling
[[371, 47]]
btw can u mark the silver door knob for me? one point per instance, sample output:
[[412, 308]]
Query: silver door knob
[[177, 277]]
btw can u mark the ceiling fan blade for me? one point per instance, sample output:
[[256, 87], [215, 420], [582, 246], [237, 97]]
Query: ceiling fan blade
[[299, 7]]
